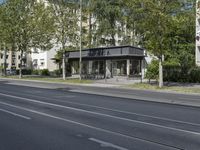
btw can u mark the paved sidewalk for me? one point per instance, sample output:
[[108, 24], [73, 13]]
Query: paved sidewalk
[[114, 91], [120, 81]]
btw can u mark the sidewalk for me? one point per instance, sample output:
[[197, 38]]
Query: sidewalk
[[114, 91]]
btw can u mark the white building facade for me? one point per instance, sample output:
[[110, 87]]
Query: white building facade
[[198, 32], [11, 59], [44, 59]]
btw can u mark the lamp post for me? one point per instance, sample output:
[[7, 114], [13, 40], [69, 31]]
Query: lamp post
[[80, 60]]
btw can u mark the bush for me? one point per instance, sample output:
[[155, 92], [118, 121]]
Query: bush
[[177, 74], [153, 70], [57, 72], [194, 75], [35, 72], [44, 72], [24, 71]]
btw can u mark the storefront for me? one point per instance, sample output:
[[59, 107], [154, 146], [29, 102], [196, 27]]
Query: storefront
[[109, 62]]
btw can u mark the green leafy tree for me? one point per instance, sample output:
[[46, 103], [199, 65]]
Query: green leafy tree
[[108, 14], [66, 18], [156, 23], [30, 25], [133, 19]]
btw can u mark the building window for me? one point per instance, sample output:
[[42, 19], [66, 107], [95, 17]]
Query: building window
[[75, 67], [98, 67], [42, 62], [119, 67], [135, 68], [35, 62]]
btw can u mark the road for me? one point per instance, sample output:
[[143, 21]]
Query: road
[[33, 118]]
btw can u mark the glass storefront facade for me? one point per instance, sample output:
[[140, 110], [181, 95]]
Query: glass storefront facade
[[108, 62], [119, 67], [135, 67], [116, 67]]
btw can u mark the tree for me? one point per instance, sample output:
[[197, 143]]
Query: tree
[[108, 14], [181, 41], [66, 27], [133, 19], [3, 40], [156, 23], [30, 25]]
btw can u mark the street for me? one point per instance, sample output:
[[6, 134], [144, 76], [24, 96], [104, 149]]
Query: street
[[33, 118]]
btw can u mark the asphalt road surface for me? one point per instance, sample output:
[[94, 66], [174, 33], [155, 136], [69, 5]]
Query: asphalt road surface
[[48, 119]]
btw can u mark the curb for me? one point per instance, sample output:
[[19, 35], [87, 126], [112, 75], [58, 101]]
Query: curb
[[127, 96]]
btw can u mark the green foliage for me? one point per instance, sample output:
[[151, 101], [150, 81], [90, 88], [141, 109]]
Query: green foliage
[[176, 74], [57, 72], [44, 72], [24, 71], [35, 72], [66, 19], [163, 27], [152, 70], [27, 24], [194, 75], [108, 13]]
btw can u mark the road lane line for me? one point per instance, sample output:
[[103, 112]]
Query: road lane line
[[115, 110], [101, 114], [107, 144], [15, 114], [120, 111], [92, 127]]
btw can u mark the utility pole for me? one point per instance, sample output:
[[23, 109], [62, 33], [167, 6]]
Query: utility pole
[[80, 60]]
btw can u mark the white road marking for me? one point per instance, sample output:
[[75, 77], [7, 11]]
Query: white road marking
[[106, 144], [15, 114], [101, 114], [65, 96], [88, 126], [114, 110]]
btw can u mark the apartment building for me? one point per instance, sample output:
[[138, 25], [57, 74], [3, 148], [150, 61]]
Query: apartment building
[[198, 33], [44, 59], [12, 60]]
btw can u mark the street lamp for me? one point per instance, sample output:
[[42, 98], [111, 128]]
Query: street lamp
[[80, 60]]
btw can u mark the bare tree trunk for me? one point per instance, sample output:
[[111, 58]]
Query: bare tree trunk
[[90, 31], [80, 53], [64, 66], [160, 73], [5, 62], [113, 41], [20, 67]]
